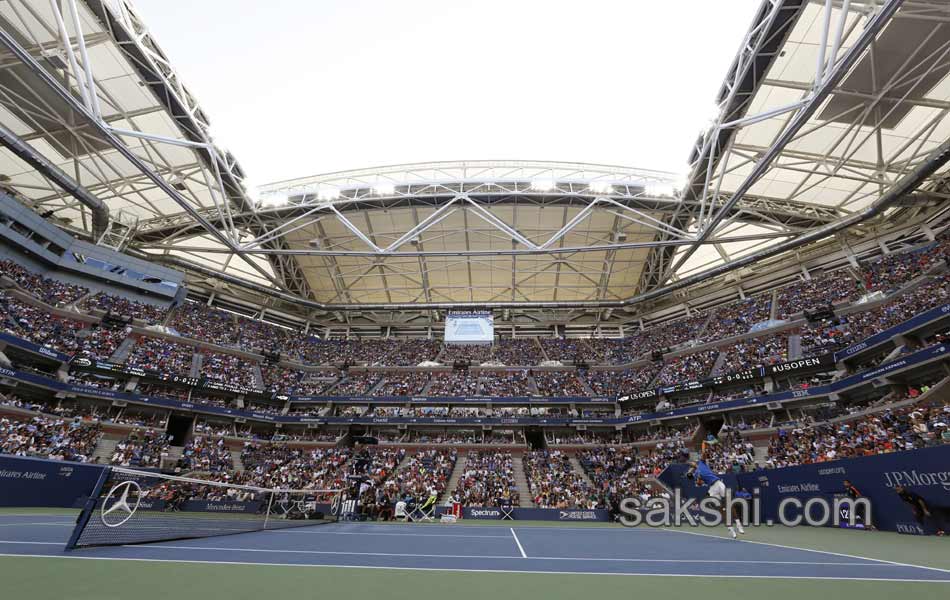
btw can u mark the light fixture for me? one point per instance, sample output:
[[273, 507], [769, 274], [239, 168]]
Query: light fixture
[[601, 187], [659, 189], [384, 189], [328, 193], [543, 185], [274, 199]]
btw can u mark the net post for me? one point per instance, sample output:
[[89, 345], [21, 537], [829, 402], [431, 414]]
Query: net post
[[270, 503], [88, 508]]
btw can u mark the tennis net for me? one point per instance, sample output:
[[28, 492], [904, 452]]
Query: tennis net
[[135, 507]]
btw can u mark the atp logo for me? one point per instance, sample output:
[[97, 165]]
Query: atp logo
[[120, 511]]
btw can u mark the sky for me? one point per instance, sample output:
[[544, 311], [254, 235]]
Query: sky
[[301, 87]]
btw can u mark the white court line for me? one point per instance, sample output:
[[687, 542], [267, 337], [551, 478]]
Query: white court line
[[32, 543], [488, 556], [54, 524], [517, 541], [504, 571], [467, 556], [878, 560], [321, 531]]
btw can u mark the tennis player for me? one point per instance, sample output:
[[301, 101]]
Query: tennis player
[[700, 472]]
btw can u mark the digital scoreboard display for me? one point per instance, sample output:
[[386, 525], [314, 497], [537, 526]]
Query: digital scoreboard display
[[469, 327]]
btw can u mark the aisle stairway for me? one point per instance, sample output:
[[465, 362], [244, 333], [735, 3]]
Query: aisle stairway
[[122, 352], [454, 477], [579, 469], [521, 480], [236, 458], [104, 450]]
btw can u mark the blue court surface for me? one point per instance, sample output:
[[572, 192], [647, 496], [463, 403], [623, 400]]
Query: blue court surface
[[485, 548]]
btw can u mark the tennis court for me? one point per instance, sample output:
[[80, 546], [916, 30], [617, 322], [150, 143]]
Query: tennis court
[[543, 560]]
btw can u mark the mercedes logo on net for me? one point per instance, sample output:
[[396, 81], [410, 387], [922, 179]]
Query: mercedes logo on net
[[120, 511]]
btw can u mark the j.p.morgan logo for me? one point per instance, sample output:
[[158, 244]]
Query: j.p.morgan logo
[[116, 508], [577, 515]]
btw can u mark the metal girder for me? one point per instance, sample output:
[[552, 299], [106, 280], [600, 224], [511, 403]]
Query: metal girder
[[828, 74]]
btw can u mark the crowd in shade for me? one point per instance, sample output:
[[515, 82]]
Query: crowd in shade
[[488, 479], [471, 353], [312, 350], [894, 270], [265, 408], [554, 482], [163, 391], [51, 291], [229, 369], [459, 383], [906, 428], [259, 336], [449, 436], [356, 384], [278, 378], [407, 383], [206, 454], [819, 291], [737, 318], [747, 354], [143, 448], [618, 383], [208, 399], [94, 380], [517, 351], [214, 429], [679, 433], [48, 437], [388, 352], [74, 338], [930, 294], [507, 383], [576, 438], [559, 383], [660, 337], [567, 351], [124, 307], [424, 472], [687, 368], [201, 322], [602, 350], [162, 355], [58, 409], [272, 465]]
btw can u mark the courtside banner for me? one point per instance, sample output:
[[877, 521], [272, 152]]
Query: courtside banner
[[535, 514], [39, 482], [905, 327], [802, 364], [925, 472], [31, 347], [219, 506]]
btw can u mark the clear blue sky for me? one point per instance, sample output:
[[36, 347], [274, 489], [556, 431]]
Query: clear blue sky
[[298, 87]]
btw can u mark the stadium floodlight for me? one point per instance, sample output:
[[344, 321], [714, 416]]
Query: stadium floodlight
[[384, 189], [543, 185], [659, 190], [273, 199], [601, 187], [328, 194]]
